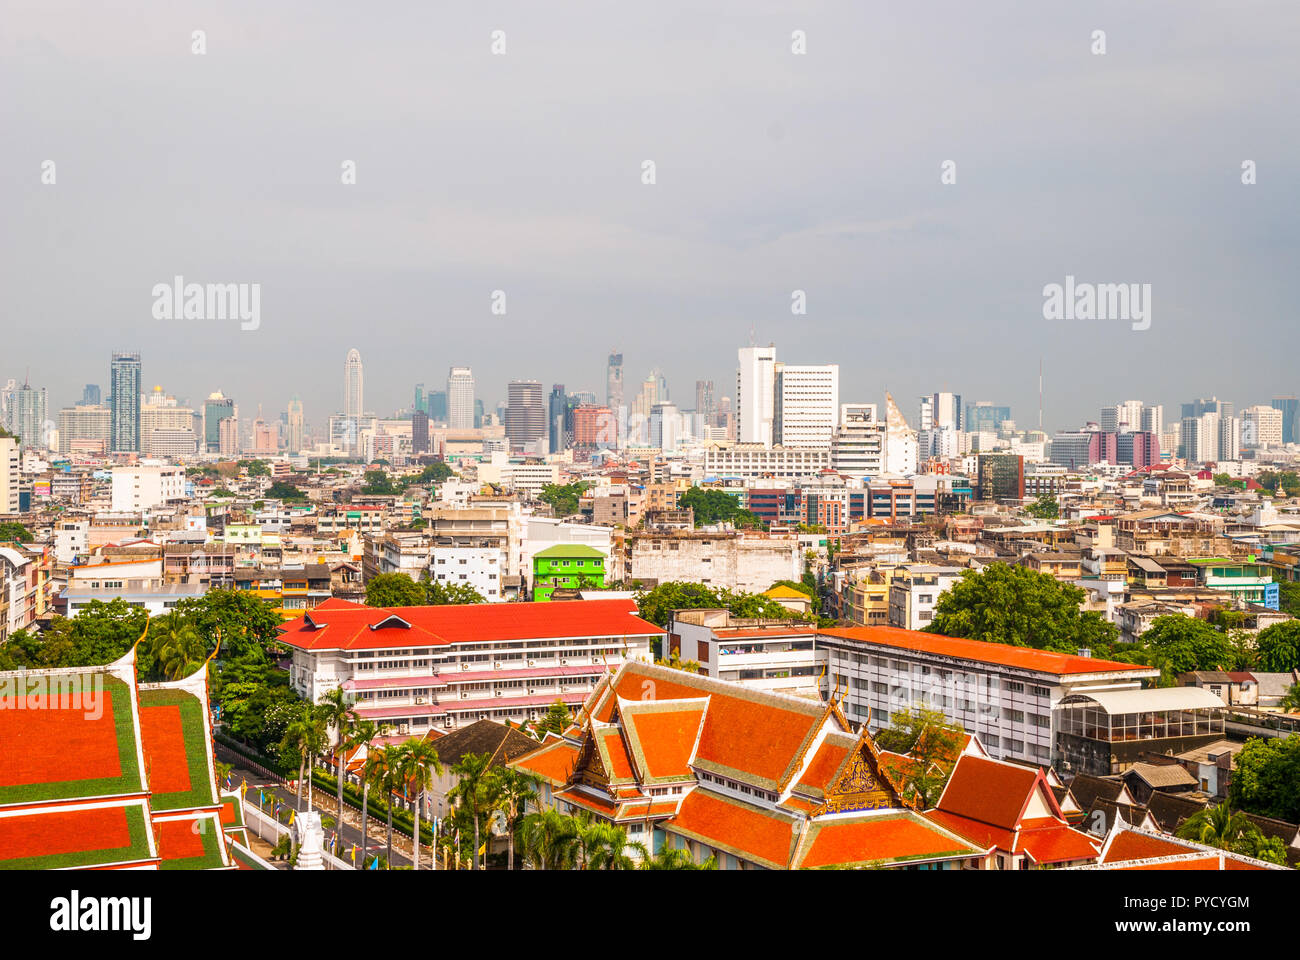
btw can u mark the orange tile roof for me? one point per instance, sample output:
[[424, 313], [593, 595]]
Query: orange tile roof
[[826, 763], [50, 742], [988, 791], [64, 831], [164, 748], [750, 732], [618, 765], [552, 761], [736, 827], [1130, 845], [881, 838], [1048, 840], [981, 834], [662, 736], [341, 627], [999, 654]]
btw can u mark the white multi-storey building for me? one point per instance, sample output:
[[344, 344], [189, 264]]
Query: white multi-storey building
[[807, 405], [1005, 695], [756, 395], [460, 399], [479, 567], [417, 668], [772, 655], [140, 488], [858, 446], [10, 471], [757, 460], [1261, 427]]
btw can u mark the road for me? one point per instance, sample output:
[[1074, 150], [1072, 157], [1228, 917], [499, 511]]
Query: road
[[327, 805]]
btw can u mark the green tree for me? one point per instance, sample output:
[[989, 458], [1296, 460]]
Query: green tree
[[1264, 782], [562, 498], [475, 790], [1277, 648], [549, 838], [441, 594], [557, 719], [615, 851], [1044, 508], [378, 483], [394, 590], [932, 740], [284, 490], [656, 605], [1222, 480], [336, 709], [1177, 643], [258, 468], [382, 770], [514, 789], [1228, 829], [15, 532], [1291, 699], [177, 647], [713, 506], [1022, 607], [303, 739], [362, 737], [671, 858], [418, 762]]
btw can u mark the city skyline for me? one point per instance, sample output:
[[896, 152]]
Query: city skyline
[[768, 183]]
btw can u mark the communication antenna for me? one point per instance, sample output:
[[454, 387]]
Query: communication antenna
[[1040, 393]]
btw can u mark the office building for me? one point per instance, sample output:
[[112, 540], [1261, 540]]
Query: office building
[[419, 433], [215, 409], [90, 395], [941, 411], [614, 382], [705, 407], [1290, 408], [983, 416], [28, 415], [295, 439], [756, 395], [525, 415], [10, 475], [807, 402], [124, 381], [463, 413], [353, 386], [858, 446], [999, 476], [84, 426], [1262, 426]]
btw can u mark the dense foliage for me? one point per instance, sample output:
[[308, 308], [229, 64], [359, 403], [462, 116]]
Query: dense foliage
[[657, 604], [713, 506]]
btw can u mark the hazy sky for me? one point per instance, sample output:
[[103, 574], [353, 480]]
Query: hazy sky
[[775, 172]]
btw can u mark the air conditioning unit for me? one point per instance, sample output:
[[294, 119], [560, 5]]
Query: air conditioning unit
[[464, 666], [403, 728], [564, 663], [501, 693], [464, 695], [496, 664], [447, 722], [419, 699], [532, 663], [595, 659], [531, 691]]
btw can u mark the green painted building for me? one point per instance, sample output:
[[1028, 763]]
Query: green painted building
[[566, 565]]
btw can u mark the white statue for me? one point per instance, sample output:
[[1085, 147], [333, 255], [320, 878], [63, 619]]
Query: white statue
[[308, 836]]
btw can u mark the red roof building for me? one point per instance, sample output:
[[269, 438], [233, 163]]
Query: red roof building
[[441, 667]]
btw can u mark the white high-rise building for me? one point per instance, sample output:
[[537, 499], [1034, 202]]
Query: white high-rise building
[[756, 395], [858, 446], [1153, 419], [353, 386], [1200, 438], [294, 436], [1261, 426], [1229, 438], [1123, 417], [807, 405], [10, 465], [460, 399], [940, 411]]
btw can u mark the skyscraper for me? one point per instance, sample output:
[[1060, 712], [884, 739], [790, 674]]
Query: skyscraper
[[124, 381], [559, 420], [525, 414], [756, 394], [419, 432], [941, 411], [705, 407], [807, 405], [215, 409], [419, 403], [353, 386], [294, 423], [614, 382], [90, 395], [460, 399], [1290, 408], [984, 416]]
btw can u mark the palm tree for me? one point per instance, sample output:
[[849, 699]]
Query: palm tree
[[382, 770], [549, 838], [671, 858], [363, 735], [514, 789], [1218, 826], [1291, 699], [178, 648], [591, 838], [473, 788], [305, 737], [614, 853], [338, 713], [419, 759]]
